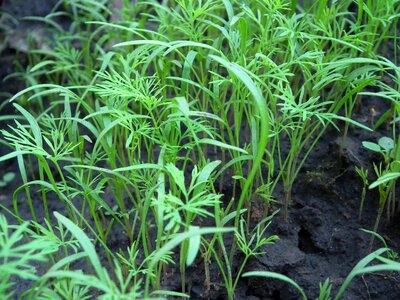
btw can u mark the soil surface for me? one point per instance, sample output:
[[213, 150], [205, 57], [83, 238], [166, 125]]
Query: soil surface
[[321, 238]]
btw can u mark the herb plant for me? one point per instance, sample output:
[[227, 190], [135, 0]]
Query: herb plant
[[136, 118]]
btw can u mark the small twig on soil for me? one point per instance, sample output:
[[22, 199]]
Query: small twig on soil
[[366, 287]]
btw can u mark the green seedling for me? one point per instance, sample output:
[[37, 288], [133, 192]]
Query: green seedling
[[390, 152], [122, 115], [252, 244], [363, 173], [181, 205], [392, 254], [325, 290], [385, 147], [386, 186], [17, 259]]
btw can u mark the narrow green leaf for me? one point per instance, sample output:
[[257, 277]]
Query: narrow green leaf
[[169, 293], [276, 276], [385, 178], [360, 265], [229, 9], [142, 42], [85, 242], [178, 176], [13, 154], [179, 44], [179, 238], [39, 86], [231, 216], [221, 144], [33, 124], [352, 122], [194, 246], [41, 65], [188, 64], [205, 173]]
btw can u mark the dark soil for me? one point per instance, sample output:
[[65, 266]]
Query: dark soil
[[321, 238]]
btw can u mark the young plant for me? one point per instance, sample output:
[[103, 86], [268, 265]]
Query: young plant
[[181, 205], [18, 256], [391, 155], [392, 254], [62, 280], [119, 113], [363, 173], [250, 244]]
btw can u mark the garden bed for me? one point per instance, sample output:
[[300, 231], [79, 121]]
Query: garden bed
[[207, 148]]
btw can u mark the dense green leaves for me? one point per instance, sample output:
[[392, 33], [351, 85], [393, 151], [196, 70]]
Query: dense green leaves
[[137, 116]]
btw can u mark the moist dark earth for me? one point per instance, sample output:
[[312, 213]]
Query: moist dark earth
[[321, 238]]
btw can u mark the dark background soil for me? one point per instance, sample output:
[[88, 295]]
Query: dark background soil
[[321, 238]]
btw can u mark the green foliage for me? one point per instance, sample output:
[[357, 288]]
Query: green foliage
[[387, 175], [133, 117], [18, 257]]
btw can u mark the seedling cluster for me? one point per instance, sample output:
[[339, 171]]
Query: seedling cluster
[[135, 119]]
